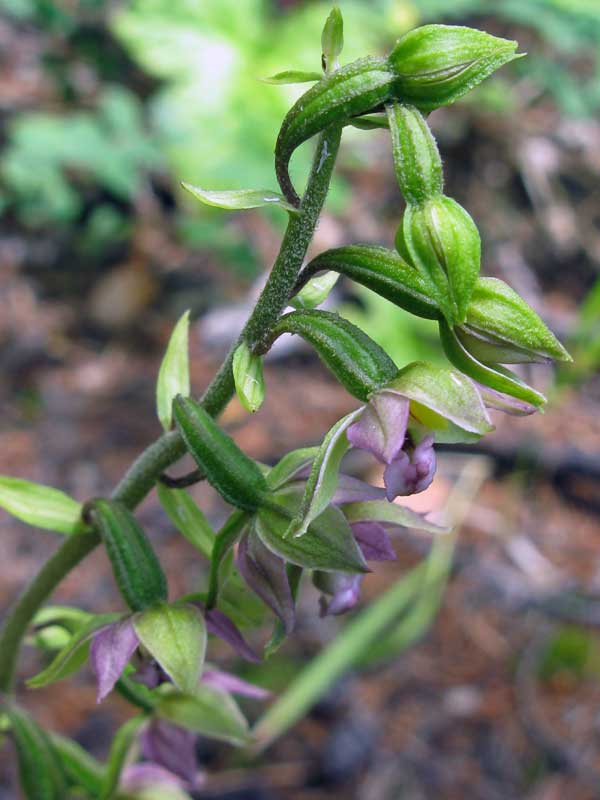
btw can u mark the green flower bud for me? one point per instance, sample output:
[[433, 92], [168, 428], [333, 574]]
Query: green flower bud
[[332, 40], [248, 378], [437, 64], [442, 242], [416, 157], [501, 327]]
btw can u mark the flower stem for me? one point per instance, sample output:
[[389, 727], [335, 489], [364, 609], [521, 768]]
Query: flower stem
[[145, 470]]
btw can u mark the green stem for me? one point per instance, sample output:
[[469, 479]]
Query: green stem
[[145, 470]]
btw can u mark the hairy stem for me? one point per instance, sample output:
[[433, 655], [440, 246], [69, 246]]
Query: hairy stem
[[145, 470]]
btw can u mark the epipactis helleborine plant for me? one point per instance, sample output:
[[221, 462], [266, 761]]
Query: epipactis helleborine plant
[[303, 516]]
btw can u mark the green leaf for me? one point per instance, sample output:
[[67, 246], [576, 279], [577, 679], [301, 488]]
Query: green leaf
[[81, 768], [390, 514], [290, 466], [74, 655], [120, 749], [187, 517], [327, 543], [316, 291], [323, 479], [174, 373], [248, 378], [332, 39], [176, 637], [41, 506], [40, 771], [208, 712], [443, 400], [239, 199], [292, 76]]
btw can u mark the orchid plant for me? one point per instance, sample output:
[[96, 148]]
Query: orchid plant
[[302, 518]]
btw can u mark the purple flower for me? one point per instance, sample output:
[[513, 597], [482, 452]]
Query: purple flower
[[504, 402], [382, 429], [227, 682], [110, 651], [266, 574], [340, 591], [373, 541], [173, 748], [219, 624]]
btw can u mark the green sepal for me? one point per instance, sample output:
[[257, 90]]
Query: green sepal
[[292, 76], [390, 514], [492, 375], [239, 199], [416, 157], [442, 400], [332, 40], [358, 363], [174, 372], [348, 92], [383, 271], [175, 636], [40, 506], [327, 543], [248, 378], [74, 655], [236, 477], [135, 565], [208, 712], [434, 65], [40, 770], [444, 246], [121, 748], [501, 327]]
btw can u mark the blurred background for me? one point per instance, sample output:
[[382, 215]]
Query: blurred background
[[104, 108]]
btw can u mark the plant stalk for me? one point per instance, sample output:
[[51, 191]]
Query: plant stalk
[[146, 469]]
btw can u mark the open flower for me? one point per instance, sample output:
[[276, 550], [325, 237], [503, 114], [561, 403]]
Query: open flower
[[402, 420]]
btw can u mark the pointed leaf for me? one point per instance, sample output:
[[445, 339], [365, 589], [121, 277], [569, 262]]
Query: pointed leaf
[[332, 39], [120, 750], [389, 514], [41, 506], [292, 466], [175, 636], [370, 122], [323, 479], [209, 712], [248, 378], [187, 517], [40, 771], [327, 543], [292, 76], [73, 656], [239, 199], [316, 291], [174, 373]]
